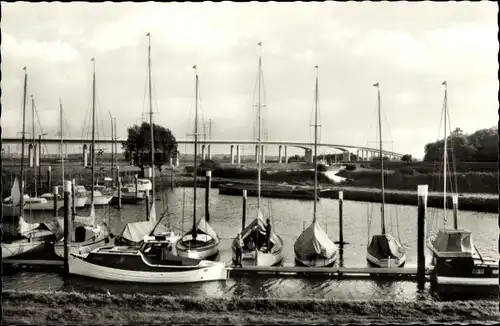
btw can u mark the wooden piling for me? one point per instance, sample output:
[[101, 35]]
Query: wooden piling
[[341, 218], [422, 191], [49, 177], [454, 199], [120, 193], [207, 195], [54, 200], [67, 194], [146, 194], [73, 199], [136, 185], [244, 213]]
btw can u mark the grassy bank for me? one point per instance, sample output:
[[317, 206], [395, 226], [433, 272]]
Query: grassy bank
[[467, 182], [63, 308]]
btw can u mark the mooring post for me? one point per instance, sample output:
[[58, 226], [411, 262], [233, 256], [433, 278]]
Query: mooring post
[[49, 177], [146, 194], [73, 199], [244, 214], [341, 217], [54, 200], [67, 194], [136, 185], [422, 208], [120, 193], [454, 199], [207, 195]]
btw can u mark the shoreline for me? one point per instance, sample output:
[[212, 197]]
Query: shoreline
[[62, 308], [486, 203]]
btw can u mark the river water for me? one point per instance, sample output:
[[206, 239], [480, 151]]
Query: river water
[[289, 217]]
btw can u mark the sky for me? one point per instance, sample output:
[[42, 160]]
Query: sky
[[409, 48]]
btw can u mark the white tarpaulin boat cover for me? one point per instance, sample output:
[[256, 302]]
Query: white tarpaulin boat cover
[[15, 193], [454, 241], [383, 246], [314, 241], [204, 227], [136, 231]]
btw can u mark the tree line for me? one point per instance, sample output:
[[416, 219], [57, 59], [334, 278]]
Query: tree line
[[481, 146]]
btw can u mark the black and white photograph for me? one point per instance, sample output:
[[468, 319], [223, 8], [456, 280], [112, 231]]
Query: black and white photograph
[[231, 163]]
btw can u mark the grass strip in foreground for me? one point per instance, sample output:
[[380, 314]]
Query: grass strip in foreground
[[63, 308]]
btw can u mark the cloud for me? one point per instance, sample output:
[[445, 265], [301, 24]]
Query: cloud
[[409, 48]]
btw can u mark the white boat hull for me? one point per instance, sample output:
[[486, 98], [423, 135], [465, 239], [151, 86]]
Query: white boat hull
[[318, 262], [80, 202], [467, 281], [80, 247], [49, 205], [20, 247], [208, 252], [214, 271], [385, 262], [99, 200]]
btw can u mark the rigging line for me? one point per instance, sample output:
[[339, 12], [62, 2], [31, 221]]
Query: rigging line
[[453, 158], [40, 127]]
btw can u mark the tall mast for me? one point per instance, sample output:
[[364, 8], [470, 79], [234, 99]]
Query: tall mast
[[33, 144], [315, 145], [93, 138], [195, 153], [382, 207], [445, 156], [151, 125], [259, 149], [112, 150], [23, 139], [62, 144], [33, 126]]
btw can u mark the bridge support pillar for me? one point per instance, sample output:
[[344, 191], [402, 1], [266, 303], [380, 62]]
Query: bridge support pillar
[[308, 155], [347, 156], [170, 161], [232, 154], [256, 153], [286, 155], [209, 151], [30, 155], [357, 155], [263, 155], [279, 155], [176, 161], [238, 157], [202, 152], [85, 155]]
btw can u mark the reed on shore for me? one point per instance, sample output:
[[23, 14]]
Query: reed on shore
[[64, 308]]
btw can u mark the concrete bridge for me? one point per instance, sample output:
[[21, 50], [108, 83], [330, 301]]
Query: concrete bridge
[[362, 152]]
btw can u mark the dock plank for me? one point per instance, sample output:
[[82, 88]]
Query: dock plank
[[33, 262]]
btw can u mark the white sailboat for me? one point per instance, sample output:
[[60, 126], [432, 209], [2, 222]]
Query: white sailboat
[[455, 258], [30, 236], [85, 233], [255, 249], [313, 247], [133, 233], [384, 249], [201, 242]]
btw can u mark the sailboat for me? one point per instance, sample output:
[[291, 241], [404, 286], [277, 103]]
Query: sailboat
[[46, 201], [384, 249], [201, 242], [30, 236], [455, 258], [86, 234], [133, 233], [313, 247], [255, 250], [155, 260]]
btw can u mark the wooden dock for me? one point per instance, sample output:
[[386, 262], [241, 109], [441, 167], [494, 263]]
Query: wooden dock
[[353, 273], [32, 262], [330, 272]]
